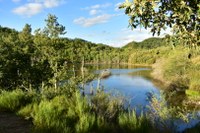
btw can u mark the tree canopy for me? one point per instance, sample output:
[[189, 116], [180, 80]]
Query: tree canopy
[[53, 28], [181, 15]]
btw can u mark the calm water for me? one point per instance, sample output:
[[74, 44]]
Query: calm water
[[134, 83], [135, 86]]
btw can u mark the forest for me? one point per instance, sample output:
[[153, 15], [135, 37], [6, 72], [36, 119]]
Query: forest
[[38, 79]]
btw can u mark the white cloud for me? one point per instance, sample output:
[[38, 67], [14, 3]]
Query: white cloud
[[34, 7], [29, 9], [52, 3], [127, 35], [95, 6], [87, 22], [94, 12]]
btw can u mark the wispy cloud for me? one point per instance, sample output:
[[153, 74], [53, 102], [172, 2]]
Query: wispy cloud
[[29, 9], [52, 3], [98, 13], [127, 35], [96, 9], [35, 6], [94, 12], [87, 22]]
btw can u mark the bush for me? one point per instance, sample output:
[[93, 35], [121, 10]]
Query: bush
[[106, 105]]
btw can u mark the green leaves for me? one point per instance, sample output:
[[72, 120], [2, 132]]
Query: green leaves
[[53, 29], [159, 14]]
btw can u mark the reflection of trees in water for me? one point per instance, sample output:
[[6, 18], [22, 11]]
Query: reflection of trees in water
[[110, 66], [175, 98], [144, 73]]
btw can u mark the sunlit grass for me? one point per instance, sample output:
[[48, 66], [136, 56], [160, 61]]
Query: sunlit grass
[[12, 100]]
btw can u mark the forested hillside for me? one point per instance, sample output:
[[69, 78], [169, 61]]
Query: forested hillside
[[149, 43], [32, 59]]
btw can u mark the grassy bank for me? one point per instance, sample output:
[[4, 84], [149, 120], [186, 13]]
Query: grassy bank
[[177, 68], [100, 113], [78, 114], [179, 71]]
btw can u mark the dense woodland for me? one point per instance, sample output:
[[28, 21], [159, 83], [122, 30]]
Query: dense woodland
[[30, 60]]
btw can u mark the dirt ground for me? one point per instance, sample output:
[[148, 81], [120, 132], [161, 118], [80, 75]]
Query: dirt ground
[[11, 123]]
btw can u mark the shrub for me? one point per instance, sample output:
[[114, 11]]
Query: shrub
[[106, 105]]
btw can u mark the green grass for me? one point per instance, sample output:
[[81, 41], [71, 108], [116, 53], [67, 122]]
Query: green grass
[[12, 100], [78, 114], [130, 122], [193, 95]]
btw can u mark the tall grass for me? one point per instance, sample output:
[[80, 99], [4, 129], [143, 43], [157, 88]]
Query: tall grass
[[100, 113], [13, 100], [130, 122], [194, 74], [50, 115]]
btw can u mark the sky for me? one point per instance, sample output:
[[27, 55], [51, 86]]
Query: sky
[[98, 21]]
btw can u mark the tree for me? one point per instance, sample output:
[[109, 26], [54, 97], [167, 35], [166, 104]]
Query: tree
[[25, 35], [55, 47], [53, 29], [181, 15]]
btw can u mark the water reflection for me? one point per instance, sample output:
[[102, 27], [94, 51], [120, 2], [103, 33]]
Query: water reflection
[[136, 84], [135, 88]]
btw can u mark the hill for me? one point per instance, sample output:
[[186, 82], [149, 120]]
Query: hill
[[149, 43]]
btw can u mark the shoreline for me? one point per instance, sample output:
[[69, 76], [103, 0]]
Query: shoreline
[[129, 64]]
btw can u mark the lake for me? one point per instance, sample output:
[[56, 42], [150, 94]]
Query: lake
[[136, 85]]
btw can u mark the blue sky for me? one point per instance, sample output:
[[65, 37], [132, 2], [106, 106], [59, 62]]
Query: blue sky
[[97, 21]]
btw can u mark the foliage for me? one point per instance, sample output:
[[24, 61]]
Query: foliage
[[142, 56], [165, 117], [53, 29], [177, 67], [43, 66], [49, 115], [130, 122], [12, 101], [182, 15], [149, 43], [106, 106]]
